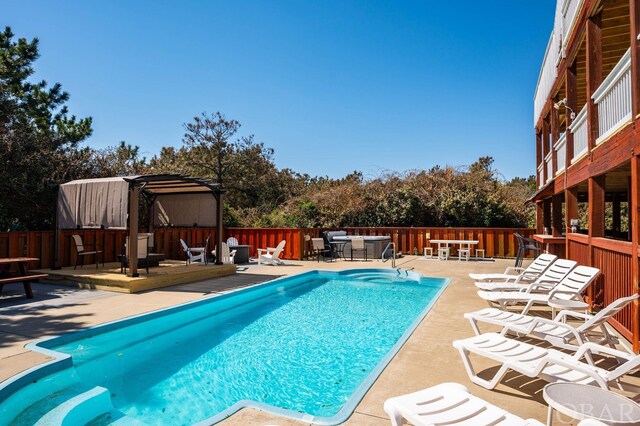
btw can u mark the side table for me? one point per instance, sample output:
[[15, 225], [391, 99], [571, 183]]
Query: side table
[[567, 305], [590, 402]]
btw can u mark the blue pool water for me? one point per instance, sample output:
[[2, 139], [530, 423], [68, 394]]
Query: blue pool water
[[304, 344]]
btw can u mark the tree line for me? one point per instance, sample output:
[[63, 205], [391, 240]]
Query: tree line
[[42, 145]]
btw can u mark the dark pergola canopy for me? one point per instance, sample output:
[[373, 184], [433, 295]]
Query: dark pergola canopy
[[173, 184], [114, 203]]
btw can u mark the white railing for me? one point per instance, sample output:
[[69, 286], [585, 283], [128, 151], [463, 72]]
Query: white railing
[[549, 162], [547, 77], [541, 181], [569, 10], [560, 148], [566, 15], [613, 98], [580, 135]]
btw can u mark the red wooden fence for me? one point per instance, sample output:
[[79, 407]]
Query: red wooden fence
[[614, 259], [497, 242]]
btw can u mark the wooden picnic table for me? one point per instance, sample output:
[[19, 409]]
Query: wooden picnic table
[[22, 264]]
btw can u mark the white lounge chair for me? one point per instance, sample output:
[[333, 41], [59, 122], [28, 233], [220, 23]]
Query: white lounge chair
[[271, 255], [557, 331], [519, 274], [195, 254], [570, 288], [450, 404], [226, 256], [548, 364], [555, 273]]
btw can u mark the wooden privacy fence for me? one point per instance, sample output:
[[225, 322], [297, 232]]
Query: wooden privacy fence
[[615, 261], [497, 242]]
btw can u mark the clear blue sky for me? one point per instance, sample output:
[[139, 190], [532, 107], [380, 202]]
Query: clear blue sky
[[332, 86]]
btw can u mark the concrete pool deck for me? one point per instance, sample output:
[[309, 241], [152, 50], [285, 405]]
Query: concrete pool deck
[[426, 359]]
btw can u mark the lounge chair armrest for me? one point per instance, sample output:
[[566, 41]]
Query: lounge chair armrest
[[528, 276], [514, 270], [538, 285], [572, 362], [574, 294], [562, 316], [591, 348]]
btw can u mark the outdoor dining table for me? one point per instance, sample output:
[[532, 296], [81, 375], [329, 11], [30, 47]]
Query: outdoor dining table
[[22, 264], [462, 243]]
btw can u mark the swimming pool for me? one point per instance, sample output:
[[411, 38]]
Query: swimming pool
[[307, 346]]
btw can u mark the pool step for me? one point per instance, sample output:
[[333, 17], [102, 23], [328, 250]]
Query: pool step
[[29, 404], [115, 418], [79, 409]]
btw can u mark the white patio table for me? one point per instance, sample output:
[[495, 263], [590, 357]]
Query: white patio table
[[462, 243]]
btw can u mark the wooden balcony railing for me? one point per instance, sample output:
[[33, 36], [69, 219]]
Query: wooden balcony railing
[[580, 135], [561, 153], [613, 98]]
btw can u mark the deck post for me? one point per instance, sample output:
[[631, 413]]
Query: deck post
[[571, 94], [546, 146], [547, 214], [556, 211], [596, 206], [634, 227], [539, 156], [555, 136], [634, 12], [539, 217], [571, 212], [132, 248], [594, 75]]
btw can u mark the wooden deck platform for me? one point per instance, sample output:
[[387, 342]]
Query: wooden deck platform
[[170, 272]]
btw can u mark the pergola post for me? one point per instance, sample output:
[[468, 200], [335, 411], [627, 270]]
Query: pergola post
[[132, 248], [218, 226]]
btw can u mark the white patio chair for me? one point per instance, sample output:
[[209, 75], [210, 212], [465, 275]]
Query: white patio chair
[[570, 288], [226, 256], [232, 241], [519, 274], [555, 273], [557, 331], [450, 404], [270, 255], [547, 364], [195, 254]]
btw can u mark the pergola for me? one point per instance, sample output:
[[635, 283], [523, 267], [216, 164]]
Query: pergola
[[113, 203]]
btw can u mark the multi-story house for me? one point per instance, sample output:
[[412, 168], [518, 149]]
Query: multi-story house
[[586, 109]]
